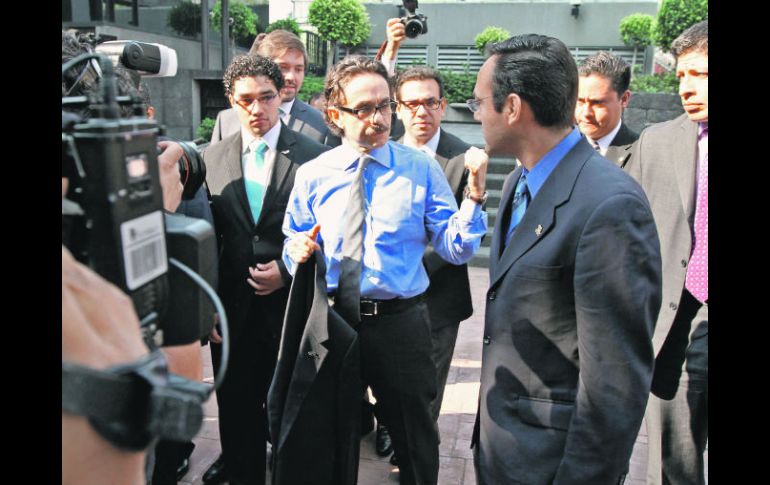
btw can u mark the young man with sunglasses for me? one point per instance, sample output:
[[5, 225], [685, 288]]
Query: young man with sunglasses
[[372, 206], [250, 175]]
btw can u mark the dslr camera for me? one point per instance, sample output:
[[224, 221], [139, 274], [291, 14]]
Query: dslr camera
[[113, 219], [415, 24]]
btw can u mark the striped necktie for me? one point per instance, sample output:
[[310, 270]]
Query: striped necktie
[[254, 175], [518, 206]]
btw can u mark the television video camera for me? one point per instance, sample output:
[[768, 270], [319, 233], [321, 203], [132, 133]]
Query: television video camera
[[415, 24], [113, 221]]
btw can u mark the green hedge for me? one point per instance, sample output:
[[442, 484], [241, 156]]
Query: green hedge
[[655, 83], [205, 129], [311, 85]]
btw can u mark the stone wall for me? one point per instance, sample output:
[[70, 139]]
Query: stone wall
[[646, 109]]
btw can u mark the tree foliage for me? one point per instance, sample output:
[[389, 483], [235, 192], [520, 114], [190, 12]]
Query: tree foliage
[[184, 18], [490, 34], [636, 30], [340, 21], [288, 24], [655, 83], [205, 129], [675, 16], [244, 26]]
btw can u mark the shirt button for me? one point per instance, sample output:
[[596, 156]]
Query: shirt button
[[492, 295], [684, 263], [486, 340], [672, 305]]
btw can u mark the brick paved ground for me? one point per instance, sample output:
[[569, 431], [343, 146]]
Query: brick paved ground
[[456, 421]]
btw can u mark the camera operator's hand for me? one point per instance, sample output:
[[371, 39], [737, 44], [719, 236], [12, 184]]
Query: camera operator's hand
[[170, 180], [302, 244], [265, 278], [396, 32], [100, 329]]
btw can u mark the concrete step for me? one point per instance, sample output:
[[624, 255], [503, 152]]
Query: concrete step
[[481, 258], [501, 165]]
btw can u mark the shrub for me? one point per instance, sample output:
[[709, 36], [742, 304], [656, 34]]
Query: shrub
[[310, 86], [184, 18], [490, 34], [285, 24], [244, 26], [458, 87], [636, 30], [655, 83], [340, 21], [675, 16], [205, 129]]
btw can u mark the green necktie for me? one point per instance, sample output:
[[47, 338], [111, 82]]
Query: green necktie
[[253, 174]]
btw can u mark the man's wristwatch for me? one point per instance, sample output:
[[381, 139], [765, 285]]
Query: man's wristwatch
[[479, 200]]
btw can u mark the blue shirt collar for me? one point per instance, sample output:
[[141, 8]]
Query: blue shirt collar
[[543, 168], [381, 154]]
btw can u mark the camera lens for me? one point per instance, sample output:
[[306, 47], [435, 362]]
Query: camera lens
[[192, 170], [413, 28]]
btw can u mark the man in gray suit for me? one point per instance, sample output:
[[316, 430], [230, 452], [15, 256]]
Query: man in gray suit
[[670, 161], [574, 284], [288, 51], [602, 96]]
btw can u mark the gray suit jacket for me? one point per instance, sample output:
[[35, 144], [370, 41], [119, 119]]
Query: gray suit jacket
[[449, 294], [303, 118], [567, 359], [664, 163], [619, 150]]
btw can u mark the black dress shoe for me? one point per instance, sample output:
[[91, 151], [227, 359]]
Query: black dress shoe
[[393, 460], [367, 417], [383, 443], [216, 473], [183, 469]]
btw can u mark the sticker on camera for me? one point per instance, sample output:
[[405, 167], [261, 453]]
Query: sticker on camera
[[144, 249]]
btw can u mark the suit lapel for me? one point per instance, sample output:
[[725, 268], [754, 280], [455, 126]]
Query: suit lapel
[[539, 216], [234, 172], [295, 122], [684, 163], [281, 168]]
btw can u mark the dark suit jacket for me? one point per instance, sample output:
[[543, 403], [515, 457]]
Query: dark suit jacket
[[303, 119], [449, 294], [315, 396], [242, 241], [567, 356], [619, 150], [664, 163]]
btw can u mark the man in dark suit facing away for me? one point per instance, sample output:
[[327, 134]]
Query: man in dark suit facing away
[[575, 284], [288, 51], [602, 96], [250, 175], [670, 161]]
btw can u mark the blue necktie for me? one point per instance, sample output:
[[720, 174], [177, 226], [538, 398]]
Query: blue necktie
[[518, 206], [253, 173]]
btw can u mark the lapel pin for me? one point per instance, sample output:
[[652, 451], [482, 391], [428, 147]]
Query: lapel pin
[[539, 230]]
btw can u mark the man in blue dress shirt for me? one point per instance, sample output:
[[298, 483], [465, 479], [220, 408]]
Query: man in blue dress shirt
[[407, 203]]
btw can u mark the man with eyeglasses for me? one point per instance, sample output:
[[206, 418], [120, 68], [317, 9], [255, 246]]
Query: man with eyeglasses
[[250, 175], [421, 106], [374, 205]]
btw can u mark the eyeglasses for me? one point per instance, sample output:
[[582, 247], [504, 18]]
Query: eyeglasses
[[366, 112], [248, 103], [431, 104], [475, 104]]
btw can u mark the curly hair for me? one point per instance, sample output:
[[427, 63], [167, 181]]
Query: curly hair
[[251, 65]]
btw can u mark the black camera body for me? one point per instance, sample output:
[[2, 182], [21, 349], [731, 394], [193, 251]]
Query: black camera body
[[415, 24], [119, 227]]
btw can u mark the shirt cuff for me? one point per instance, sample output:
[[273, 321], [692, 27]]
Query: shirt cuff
[[469, 210]]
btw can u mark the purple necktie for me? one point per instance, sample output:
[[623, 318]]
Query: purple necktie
[[697, 282]]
